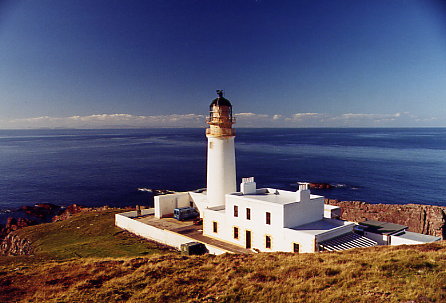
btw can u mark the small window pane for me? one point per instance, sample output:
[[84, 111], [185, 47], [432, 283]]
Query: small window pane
[[235, 211], [268, 218], [267, 241], [295, 247], [248, 214], [215, 227], [235, 232]]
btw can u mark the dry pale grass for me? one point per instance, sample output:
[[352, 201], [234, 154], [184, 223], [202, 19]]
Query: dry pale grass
[[381, 274]]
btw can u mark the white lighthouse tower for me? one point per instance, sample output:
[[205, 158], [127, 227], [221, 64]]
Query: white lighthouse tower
[[221, 153]]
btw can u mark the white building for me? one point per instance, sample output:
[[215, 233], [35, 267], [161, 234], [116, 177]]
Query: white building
[[264, 219], [269, 219]]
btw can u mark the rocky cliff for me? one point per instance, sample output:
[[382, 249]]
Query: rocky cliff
[[12, 243], [69, 211], [425, 219]]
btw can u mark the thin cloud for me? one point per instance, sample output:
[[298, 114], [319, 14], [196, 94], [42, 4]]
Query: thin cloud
[[119, 120], [106, 121], [251, 115]]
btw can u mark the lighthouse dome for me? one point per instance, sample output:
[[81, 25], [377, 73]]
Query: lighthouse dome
[[220, 101]]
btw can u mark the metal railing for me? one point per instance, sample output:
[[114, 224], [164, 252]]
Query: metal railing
[[220, 132]]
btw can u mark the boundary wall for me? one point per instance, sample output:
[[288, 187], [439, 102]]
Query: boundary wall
[[164, 236]]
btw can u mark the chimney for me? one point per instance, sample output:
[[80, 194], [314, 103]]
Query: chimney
[[248, 186], [303, 193]]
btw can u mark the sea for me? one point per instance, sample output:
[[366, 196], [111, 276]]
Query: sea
[[107, 167]]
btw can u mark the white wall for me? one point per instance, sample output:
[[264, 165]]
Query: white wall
[[257, 224], [331, 211], [163, 236], [221, 178], [306, 241], [200, 201], [209, 216], [380, 239], [303, 212], [165, 204], [395, 240]]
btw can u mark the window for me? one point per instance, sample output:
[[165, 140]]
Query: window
[[248, 214], [268, 218], [295, 247], [191, 204], [235, 232], [215, 227], [268, 241], [211, 145], [235, 211]]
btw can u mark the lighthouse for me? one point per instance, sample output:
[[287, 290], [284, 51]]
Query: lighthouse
[[221, 152]]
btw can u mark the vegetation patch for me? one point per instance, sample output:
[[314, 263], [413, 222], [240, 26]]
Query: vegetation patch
[[87, 234]]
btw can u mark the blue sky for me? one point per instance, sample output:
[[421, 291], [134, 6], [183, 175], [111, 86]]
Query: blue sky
[[87, 63]]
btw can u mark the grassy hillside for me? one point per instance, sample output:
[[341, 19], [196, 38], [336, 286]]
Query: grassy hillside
[[88, 234], [380, 274]]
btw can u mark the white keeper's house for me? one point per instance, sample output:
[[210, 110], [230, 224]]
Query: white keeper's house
[[266, 219]]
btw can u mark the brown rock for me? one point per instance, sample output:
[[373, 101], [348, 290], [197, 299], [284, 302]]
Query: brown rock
[[69, 211], [425, 219], [320, 186], [13, 224], [41, 210], [13, 245]]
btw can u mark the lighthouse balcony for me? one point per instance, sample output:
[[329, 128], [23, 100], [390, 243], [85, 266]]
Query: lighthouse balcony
[[220, 132], [220, 120]]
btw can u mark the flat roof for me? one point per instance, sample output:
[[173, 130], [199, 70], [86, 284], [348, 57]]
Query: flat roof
[[383, 228], [219, 208], [321, 226], [273, 198], [273, 195], [418, 237]]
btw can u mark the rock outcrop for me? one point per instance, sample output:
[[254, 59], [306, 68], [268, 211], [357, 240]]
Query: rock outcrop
[[320, 186], [69, 211], [13, 224], [425, 219], [41, 211], [14, 245]]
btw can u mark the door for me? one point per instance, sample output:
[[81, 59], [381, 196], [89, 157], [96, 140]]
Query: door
[[248, 239]]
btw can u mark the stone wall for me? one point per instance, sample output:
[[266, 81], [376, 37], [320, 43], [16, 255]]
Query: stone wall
[[425, 219]]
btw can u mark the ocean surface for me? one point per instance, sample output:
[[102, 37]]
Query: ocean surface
[[97, 167]]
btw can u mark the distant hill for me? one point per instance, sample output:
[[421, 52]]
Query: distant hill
[[86, 259]]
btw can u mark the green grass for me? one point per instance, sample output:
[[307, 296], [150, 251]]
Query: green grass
[[88, 234]]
